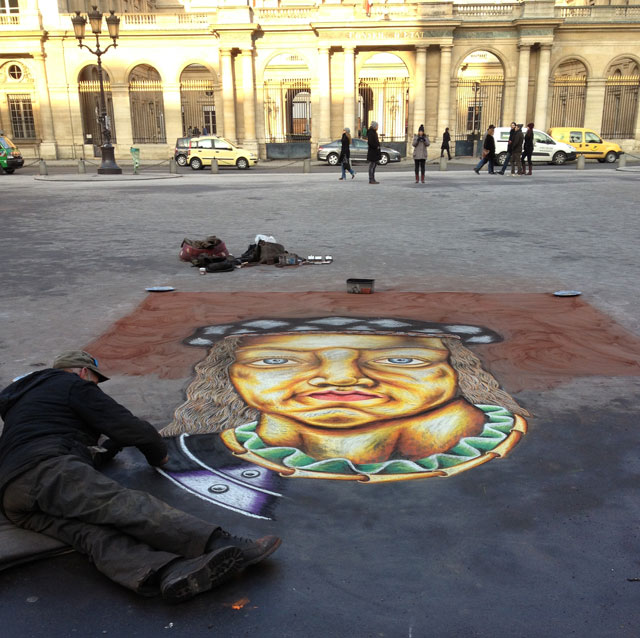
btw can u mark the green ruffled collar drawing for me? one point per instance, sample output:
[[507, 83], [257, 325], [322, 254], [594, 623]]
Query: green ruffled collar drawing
[[499, 424]]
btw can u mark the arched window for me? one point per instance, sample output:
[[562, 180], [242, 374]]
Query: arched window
[[479, 92], [197, 88], [383, 96], [620, 110], [569, 94], [147, 106]]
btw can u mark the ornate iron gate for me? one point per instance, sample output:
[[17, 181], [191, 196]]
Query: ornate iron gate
[[147, 112], [386, 101], [287, 110], [198, 106], [89, 91], [568, 101], [478, 104], [620, 106]]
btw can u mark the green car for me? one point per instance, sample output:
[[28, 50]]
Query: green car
[[10, 155]]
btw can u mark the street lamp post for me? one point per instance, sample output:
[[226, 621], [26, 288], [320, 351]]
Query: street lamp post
[[108, 165]]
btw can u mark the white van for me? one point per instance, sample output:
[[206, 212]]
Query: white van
[[545, 148]]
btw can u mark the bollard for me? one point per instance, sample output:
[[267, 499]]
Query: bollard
[[580, 163], [82, 167], [443, 163], [173, 167], [43, 168], [306, 166], [622, 160], [214, 166]]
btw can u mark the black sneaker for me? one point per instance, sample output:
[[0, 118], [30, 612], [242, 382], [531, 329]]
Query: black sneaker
[[253, 551], [185, 578]]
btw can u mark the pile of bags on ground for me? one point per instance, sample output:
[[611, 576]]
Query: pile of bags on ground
[[212, 254]]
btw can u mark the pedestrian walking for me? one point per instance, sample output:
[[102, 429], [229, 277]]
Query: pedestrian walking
[[420, 144], [446, 139], [345, 154], [507, 158], [50, 483], [196, 132], [527, 151], [373, 152], [516, 151], [488, 152]]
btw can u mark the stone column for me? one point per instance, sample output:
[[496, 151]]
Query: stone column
[[48, 148], [248, 101], [324, 97], [444, 90], [594, 103], [172, 111], [122, 117], [228, 97], [542, 90], [522, 84], [350, 89], [419, 89]]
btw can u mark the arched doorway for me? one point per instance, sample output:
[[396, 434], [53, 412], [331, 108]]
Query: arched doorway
[[479, 91], [383, 96], [89, 92], [569, 94], [197, 97], [147, 106], [621, 99], [287, 100]]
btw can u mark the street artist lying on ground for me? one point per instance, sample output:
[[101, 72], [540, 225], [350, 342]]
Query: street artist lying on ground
[[49, 483]]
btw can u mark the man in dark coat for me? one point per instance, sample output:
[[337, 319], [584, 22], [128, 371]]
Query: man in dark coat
[[373, 153], [512, 132], [49, 452], [516, 151], [446, 139], [488, 152]]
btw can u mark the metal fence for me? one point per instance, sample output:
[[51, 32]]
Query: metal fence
[[198, 106], [89, 91], [568, 101], [147, 112], [287, 110], [620, 106], [386, 101], [21, 115], [478, 104]]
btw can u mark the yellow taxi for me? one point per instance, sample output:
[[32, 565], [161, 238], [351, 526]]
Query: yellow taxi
[[587, 143], [202, 150]]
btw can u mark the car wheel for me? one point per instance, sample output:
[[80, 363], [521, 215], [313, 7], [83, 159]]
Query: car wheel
[[332, 159], [501, 158], [181, 160], [196, 164], [383, 160], [610, 157], [242, 163], [9, 171], [559, 158]]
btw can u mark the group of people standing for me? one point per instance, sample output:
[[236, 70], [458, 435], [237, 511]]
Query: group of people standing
[[519, 151], [374, 154]]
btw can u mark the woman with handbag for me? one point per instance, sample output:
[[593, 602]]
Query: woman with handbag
[[420, 143], [345, 154]]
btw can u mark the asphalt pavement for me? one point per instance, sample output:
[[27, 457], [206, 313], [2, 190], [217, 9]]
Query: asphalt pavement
[[78, 255]]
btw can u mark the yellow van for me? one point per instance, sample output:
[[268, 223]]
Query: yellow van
[[204, 149], [587, 143]]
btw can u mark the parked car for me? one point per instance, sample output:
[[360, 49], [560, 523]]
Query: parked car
[[181, 150], [10, 155], [587, 143], [330, 152], [204, 149], [545, 148]]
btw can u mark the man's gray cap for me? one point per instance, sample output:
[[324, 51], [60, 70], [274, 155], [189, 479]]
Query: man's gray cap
[[468, 334], [78, 359]]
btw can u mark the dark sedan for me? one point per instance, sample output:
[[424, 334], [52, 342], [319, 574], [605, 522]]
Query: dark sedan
[[330, 152]]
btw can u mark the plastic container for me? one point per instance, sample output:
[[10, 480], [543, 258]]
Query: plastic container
[[360, 286]]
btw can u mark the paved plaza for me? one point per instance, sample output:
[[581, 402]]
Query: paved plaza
[[545, 544]]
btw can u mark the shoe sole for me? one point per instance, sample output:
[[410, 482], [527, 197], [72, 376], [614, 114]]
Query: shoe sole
[[222, 565], [267, 552]]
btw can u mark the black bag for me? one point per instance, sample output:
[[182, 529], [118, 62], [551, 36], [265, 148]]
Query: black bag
[[220, 266], [252, 254], [346, 163]]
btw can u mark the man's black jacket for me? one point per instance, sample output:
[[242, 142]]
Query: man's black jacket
[[52, 413]]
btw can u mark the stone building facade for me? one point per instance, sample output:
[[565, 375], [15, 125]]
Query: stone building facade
[[282, 76]]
